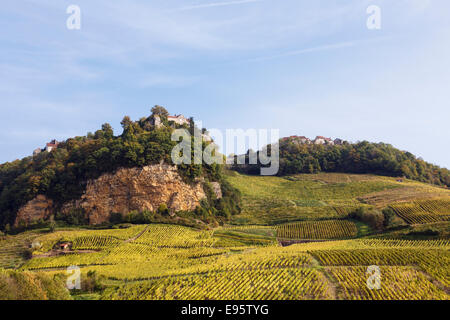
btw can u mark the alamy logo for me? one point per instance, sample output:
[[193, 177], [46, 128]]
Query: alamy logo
[[374, 19], [73, 22], [74, 278], [190, 150], [374, 280]]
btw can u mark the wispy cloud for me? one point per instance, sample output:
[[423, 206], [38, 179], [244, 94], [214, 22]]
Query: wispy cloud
[[217, 4], [326, 47], [169, 81], [333, 46]]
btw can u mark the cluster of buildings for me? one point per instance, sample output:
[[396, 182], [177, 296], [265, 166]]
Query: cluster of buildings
[[317, 140], [179, 119], [155, 120], [52, 145]]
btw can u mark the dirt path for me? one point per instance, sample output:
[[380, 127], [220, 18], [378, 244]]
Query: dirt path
[[138, 235], [328, 278], [54, 253]]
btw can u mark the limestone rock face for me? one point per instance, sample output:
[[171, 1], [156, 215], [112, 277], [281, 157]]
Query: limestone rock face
[[39, 208], [138, 189], [125, 190], [217, 189]]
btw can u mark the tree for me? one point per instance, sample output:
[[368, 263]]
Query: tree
[[52, 225], [389, 216], [108, 132], [159, 111], [162, 209], [126, 122]]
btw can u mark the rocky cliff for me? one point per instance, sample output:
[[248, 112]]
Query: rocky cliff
[[38, 208], [125, 190]]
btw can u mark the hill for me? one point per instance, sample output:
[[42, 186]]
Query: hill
[[323, 196], [80, 180], [302, 236], [298, 156]]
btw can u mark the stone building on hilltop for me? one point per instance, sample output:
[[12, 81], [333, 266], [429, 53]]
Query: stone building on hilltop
[[179, 119], [323, 140]]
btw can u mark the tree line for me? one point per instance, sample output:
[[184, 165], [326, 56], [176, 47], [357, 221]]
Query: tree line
[[62, 174], [361, 157]]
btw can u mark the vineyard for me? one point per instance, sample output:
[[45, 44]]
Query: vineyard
[[278, 284], [326, 254], [175, 262], [435, 262], [86, 239], [396, 283], [425, 211], [319, 230], [12, 249]]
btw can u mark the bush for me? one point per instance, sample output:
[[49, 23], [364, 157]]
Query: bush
[[116, 217], [374, 218], [91, 282], [389, 216], [391, 220], [162, 209], [75, 216], [426, 233]]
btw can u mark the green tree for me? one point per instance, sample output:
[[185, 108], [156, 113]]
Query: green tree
[[159, 111]]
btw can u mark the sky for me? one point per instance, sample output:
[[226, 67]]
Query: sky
[[303, 67]]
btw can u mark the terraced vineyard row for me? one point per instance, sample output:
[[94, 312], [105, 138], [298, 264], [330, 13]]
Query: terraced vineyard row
[[396, 283], [12, 249], [365, 257], [176, 237], [277, 284], [435, 262], [137, 252], [397, 243], [344, 211], [425, 211], [87, 239], [320, 230], [94, 242], [64, 261]]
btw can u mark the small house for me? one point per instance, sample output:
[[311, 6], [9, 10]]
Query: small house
[[323, 140], [52, 145], [179, 119], [64, 246]]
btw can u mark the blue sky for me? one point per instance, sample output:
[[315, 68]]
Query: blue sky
[[306, 67]]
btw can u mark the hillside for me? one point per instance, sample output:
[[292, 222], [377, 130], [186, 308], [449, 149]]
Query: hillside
[[298, 237], [300, 155], [299, 197], [140, 227], [75, 181]]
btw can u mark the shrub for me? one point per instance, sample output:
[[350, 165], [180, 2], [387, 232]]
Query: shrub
[[162, 209], [374, 218], [116, 217]]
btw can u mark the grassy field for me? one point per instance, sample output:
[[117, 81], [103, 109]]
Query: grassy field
[[276, 200], [13, 249], [246, 260]]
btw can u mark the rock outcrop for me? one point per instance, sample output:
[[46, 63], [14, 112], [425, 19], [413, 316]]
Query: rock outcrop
[[217, 189], [126, 190], [39, 208]]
